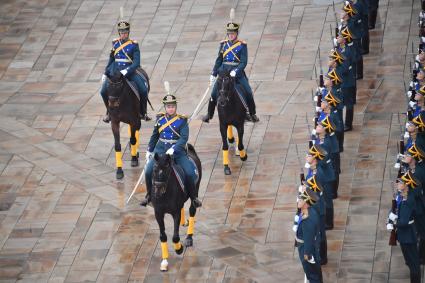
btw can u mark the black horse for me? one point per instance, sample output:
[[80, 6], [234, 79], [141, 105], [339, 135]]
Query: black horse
[[169, 197], [231, 112], [124, 106]]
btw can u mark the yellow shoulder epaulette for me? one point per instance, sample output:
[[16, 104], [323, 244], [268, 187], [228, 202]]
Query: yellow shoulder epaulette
[[242, 41], [305, 216], [159, 114], [134, 41], [182, 116]]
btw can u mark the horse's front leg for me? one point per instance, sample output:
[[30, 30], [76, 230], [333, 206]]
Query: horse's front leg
[[191, 228], [242, 152], [159, 216], [115, 125], [178, 247], [223, 132], [134, 142]]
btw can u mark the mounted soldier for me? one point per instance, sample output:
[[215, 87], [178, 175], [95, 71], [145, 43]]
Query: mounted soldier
[[125, 58], [170, 136], [232, 57]]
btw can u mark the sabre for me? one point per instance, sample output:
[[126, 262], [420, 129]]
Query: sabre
[[137, 184], [199, 104]]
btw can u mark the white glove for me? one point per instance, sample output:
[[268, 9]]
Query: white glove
[[311, 260], [315, 98], [295, 228], [411, 84], [335, 41], [393, 217], [409, 94], [397, 165], [300, 188], [233, 73], [170, 151], [104, 78], [390, 226], [148, 155], [307, 165], [406, 135], [412, 104], [296, 218], [313, 132], [212, 79], [124, 72], [318, 109]]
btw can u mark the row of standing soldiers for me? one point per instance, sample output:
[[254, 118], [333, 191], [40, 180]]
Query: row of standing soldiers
[[406, 219], [336, 91]]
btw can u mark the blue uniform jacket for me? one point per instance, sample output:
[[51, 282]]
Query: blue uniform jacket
[[308, 230], [177, 131], [406, 233], [238, 56], [120, 61]]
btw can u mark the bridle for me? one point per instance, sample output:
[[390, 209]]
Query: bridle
[[114, 101], [223, 99], [160, 187]]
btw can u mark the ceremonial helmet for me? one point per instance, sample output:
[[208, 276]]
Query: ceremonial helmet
[[231, 26], [317, 151], [309, 196], [169, 98], [334, 77], [410, 180], [416, 152], [349, 8], [314, 184], [325, 121], [331, 99], [347, 34], [337, 56], [419, 122], [123, 26]]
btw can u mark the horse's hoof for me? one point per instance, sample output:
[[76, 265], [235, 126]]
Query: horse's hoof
[[134, 161], [227, 170], [232, 140], [180, 251], [237, 152], [119, 174], [164, 265], [189, 241], [185, 224], [245, 157]]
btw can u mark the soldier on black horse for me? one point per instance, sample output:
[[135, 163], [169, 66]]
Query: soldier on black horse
[[125, 58]]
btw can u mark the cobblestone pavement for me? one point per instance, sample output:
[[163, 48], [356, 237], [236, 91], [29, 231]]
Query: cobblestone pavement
[[63, 216]]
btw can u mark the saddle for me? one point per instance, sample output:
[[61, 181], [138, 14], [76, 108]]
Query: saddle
[[180, 176]]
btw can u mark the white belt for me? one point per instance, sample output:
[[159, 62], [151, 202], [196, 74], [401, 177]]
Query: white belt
[[123, 60], [411, 222], [168, 141], [299, 240], [231, 63]]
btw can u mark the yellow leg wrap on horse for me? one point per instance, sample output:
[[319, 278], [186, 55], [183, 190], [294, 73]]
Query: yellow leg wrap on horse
[[177, 246], [182, 220], [118, 158], [191, 225], [242, 153], [133, 149], [225, 157], [129, 130], [229, 132], [164, 250], [137, 139]]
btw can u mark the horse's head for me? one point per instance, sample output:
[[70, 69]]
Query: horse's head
[[161, 173], [115, 85], [226, 87]]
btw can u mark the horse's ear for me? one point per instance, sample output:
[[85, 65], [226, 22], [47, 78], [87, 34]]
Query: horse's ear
[[156, 156]]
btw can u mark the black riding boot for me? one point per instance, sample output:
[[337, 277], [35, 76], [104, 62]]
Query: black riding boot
[[359, 69], [211, 107], [144, 110], [349, 115], [252, 111], [372, 18], [329, 219], [106, 118], [365, 43], [194, 196], [422, 251], [415, 277], [323, 252], [147, 197]]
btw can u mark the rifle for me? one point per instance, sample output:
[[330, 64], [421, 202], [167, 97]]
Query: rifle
[[336, 20], [321, 82], [393, 236]]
